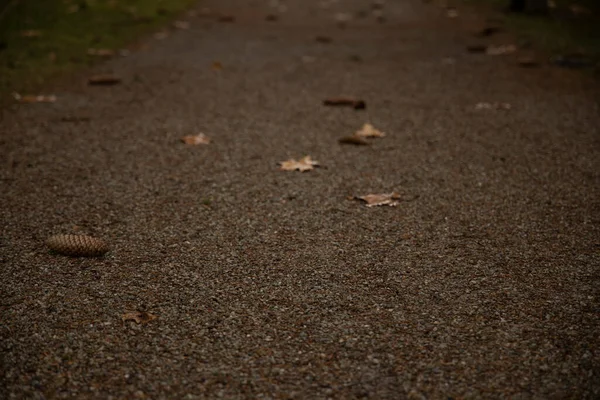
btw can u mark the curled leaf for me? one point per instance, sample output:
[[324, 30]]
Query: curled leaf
[[383, 199], [369, 131], [139, 317], [304, 164], [200, 138]]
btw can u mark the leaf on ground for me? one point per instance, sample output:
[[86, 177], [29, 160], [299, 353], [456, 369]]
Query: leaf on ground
[[355, 140], [304, 164], [30, 98], [369, 131], [139, 317], [217, 66], [31, 33], [101, 52], [104, 80], [345, 102], [383, 199], [183, 25], [501, 50], [492, 106], [194, 140]]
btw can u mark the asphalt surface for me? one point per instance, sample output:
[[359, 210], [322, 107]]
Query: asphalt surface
[[481, 283]]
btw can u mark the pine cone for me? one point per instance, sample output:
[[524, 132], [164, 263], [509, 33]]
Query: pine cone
[[77, 245]]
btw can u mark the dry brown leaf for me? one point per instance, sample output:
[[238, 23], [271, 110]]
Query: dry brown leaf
[[346, 101], [500, 50], [139, 317], [383, 199], [200, 138], [34, 98], [369, 131], [104, 80], [492, 106], [305, 164], [101, 52]]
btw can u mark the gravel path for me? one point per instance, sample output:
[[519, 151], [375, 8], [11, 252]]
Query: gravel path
[[481, 283]]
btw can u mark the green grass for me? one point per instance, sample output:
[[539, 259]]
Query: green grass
[[559, 32], [67, 29]]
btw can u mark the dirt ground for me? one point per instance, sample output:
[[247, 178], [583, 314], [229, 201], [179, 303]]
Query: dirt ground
[[481, 283]]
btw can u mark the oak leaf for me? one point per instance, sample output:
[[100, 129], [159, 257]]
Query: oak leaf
[[304, 164], [200, 138], [139, 317], [383, 199]]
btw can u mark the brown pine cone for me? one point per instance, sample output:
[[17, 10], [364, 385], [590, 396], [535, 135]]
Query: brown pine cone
[[77, 245]]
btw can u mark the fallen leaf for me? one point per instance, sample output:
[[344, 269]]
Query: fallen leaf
[[345, 101], [501, 50], [384, 199], [101, 52], [452, 12], [354, 139], [305, 164], [31, 33], [369, 131], [323, 39], [200, 138], [34, 98], [104, 80], [139, 317], [184, 25], [492, 106], [217, 66]]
